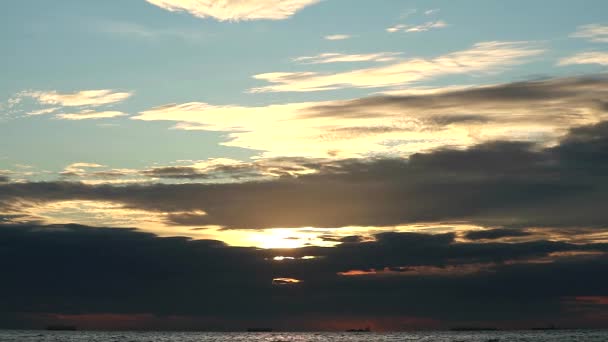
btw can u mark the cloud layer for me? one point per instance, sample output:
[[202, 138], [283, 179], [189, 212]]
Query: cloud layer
[[431, 277], [495, 184]]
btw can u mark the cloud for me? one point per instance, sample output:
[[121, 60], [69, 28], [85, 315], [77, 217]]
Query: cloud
[[76, 169], [79, 98], [93, 173], [427, 26], [600, 58], [418, 28], [215, 170], [482, 57], [400, 125], [496, 184], [432, 11], [325, 58], [44, 111], [337, 37], [593, 32], [494, 234], [396, 28], [235, 10], [90, 114], [136, 268], [223, 169]]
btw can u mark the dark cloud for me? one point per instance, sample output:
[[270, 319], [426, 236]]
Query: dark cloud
[[559, 100], [495, 184], [210, 171], [176, 172], [4, 179], [345, 239], [77, 270], [494, 234]]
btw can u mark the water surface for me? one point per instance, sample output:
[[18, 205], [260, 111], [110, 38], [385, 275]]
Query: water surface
[[122, 336]]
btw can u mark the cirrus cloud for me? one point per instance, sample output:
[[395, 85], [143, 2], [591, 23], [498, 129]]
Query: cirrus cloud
[[332, 57], [418, 28], [337, 37], [600, 58], [235, 10], [595, 33], [481, 57], [79, 98], [90, 114]]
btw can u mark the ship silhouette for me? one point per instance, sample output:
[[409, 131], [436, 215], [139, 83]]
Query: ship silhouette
[[259, 329], [61, 327], [367, 329]]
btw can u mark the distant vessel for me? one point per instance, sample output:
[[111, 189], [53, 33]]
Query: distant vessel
[[550, 327], [259, 329], [367, 329], [473, 329], [61, 327]]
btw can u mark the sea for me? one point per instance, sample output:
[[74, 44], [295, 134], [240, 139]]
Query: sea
[[477, 336]]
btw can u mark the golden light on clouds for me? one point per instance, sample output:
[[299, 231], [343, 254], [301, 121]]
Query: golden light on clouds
[[104, 213], [399, 123], [234, 10], [285, 281], [79, 98], [482, 57]]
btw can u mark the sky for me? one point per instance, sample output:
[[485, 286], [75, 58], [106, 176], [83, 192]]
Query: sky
[[303, 164]]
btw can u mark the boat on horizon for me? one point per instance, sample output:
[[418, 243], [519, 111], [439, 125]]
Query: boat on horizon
[[60, 327], [259, 329], [550, 327], [473, 329], [367, 329]]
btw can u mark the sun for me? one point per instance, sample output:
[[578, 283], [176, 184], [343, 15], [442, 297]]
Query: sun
[[283, 238], [288, 238]]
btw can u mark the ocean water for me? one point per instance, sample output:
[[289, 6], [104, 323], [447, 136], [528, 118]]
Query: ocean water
[[506, 336]]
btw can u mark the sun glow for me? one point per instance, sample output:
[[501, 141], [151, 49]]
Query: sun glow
[[289, 238], [285, 281]]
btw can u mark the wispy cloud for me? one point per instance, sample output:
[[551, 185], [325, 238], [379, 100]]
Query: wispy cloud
[[215, 170], [337, 37], [235, 10], [398, 124], [343, 58], [80, 98], [65, 103], [586, 58], [427, 26], [593, 32], [432, 11], [418, 28], [482, 57], [90, 114], [80, 168], [43, 111]]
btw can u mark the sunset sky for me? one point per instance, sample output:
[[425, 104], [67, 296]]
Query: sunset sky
[[303, 164]]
